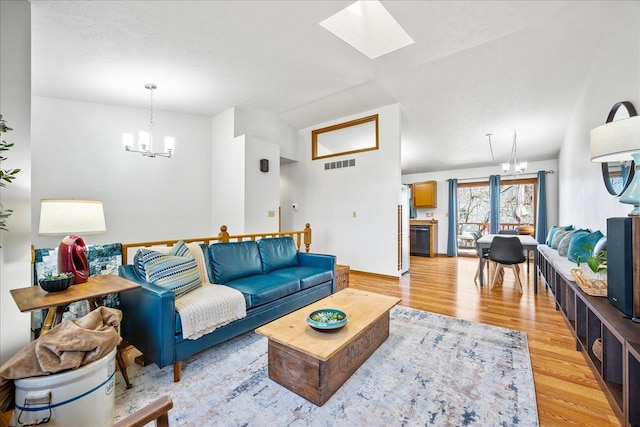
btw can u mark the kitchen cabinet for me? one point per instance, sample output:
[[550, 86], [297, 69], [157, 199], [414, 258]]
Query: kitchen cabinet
[[425, 194]]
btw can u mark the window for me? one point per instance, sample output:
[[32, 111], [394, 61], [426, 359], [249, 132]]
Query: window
[[517, 208], [350, 137], [517, 205]]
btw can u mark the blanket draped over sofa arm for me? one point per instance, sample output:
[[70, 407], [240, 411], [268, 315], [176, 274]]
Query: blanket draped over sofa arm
[[69, 345], [210, 306]]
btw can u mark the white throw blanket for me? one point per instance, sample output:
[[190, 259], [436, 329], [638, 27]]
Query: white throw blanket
[[210, 306]]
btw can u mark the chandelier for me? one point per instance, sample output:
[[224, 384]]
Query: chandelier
[[145, 139], [512, 166]]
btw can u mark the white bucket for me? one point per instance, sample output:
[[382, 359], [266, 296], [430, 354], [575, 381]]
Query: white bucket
[[75, 398]]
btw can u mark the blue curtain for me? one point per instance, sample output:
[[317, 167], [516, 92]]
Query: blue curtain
[[494, 204], [541, 211], [452, 235]]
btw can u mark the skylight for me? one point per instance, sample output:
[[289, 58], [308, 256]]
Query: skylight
[[369, 27]]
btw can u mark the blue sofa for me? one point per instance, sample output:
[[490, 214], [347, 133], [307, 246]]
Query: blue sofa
[[273, 276]]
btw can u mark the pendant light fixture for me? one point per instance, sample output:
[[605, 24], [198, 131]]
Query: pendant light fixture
[[512, 167], [145, 139]]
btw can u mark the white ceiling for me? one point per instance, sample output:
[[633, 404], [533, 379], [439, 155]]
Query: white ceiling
[[476, 67]]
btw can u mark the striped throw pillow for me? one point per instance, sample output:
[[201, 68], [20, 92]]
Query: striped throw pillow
[[176, 270]]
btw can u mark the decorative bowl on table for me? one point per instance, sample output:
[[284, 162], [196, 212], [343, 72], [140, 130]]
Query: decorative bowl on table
[[327, 319], [57, 283]]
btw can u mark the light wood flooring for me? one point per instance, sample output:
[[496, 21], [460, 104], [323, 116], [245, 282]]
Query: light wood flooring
[[567, 392]]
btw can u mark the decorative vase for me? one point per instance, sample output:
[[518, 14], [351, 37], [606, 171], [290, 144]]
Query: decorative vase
[[631, 195]]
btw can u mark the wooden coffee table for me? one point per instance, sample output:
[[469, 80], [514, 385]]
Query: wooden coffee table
[[314, 364]]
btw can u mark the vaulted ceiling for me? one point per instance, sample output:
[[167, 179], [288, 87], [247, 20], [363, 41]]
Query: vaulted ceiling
[[476, 67]]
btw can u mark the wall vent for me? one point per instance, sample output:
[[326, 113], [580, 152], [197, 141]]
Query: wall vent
[[340, 164]]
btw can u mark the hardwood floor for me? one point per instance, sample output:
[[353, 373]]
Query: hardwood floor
[[567, 392]]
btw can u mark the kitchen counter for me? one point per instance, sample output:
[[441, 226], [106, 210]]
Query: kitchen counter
[[423, 222]]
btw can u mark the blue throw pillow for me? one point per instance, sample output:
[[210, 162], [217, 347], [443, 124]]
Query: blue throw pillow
[[582, 247], [563, 247], [179, 249], [176, 270], [553, 230]]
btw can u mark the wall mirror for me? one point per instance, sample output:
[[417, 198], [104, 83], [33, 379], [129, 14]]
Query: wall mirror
[[345, 138], [618, 175]]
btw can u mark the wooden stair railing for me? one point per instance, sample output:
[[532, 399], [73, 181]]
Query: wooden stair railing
[[300, 237], [155, 411]]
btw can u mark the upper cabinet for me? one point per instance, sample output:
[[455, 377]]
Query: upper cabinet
[[425, 194]]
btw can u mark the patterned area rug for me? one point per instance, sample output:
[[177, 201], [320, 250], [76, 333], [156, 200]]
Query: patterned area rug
[[432, 370]]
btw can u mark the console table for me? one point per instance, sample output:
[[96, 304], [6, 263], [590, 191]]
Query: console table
[[35, 298], [609, 340]]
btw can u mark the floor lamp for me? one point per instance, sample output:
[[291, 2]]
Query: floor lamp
[[72, 217]]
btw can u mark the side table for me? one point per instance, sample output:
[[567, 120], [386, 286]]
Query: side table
[[35, 298], [342, 277]]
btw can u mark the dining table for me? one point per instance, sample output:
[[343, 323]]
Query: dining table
[[528, 244]]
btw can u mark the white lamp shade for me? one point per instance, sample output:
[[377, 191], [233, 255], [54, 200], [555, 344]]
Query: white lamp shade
[[616, 140], [169, 143], [127, 140], [61, 217]]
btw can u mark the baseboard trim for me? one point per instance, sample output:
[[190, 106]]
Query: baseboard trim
[[366, 273]]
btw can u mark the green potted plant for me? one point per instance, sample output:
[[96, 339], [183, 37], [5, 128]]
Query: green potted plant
[[56, 283], [591, 274], [597, 262], [6, 175]]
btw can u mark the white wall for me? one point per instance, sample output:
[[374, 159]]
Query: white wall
[[441, 212], [227, 174], [268, 127], [242, 194], [262, 193], [328, 199], [293, 179], [613, 77], [15, 101], [77, 153], [212, 179], [405, 196]]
